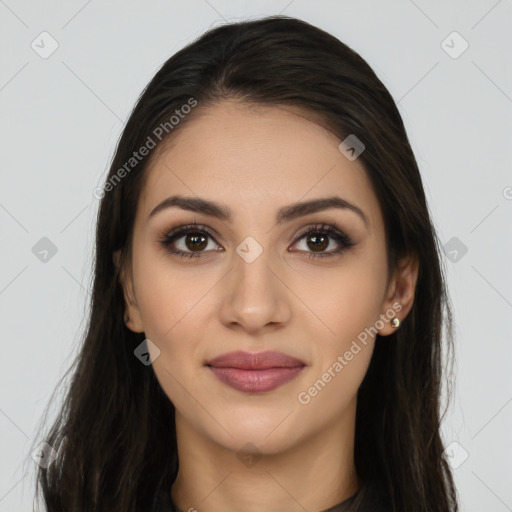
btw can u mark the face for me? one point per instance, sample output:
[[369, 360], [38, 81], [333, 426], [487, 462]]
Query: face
[[252, 282]]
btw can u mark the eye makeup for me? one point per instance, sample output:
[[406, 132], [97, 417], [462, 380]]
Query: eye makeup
[[199, 234]]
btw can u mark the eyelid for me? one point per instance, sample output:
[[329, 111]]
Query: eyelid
[[192, 226]]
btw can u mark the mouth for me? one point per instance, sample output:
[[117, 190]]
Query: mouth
[[255, 372]]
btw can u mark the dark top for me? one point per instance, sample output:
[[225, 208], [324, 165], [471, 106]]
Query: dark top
[[375, 502]]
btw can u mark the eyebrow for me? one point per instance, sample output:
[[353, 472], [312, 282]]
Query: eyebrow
[[284, 214]]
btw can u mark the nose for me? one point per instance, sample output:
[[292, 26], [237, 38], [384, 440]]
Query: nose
[[256, 297]]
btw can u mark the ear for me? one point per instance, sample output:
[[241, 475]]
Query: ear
[[131, 313], [400, 293]]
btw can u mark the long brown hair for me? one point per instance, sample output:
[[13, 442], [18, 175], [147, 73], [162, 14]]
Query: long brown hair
[[114, 437]]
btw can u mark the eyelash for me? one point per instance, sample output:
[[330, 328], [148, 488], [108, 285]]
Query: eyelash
[[324, 229]]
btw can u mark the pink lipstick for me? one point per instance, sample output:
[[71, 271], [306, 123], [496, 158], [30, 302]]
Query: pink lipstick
[[258, 372]]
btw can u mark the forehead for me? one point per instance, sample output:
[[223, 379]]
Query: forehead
[[251, 155]]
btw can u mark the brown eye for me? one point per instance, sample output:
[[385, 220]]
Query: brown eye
[[188, 241], [196, 242], [317, 240]]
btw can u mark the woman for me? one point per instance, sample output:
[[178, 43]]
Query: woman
[[267, 310]]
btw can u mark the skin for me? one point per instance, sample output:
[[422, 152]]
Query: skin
[[255, 160]]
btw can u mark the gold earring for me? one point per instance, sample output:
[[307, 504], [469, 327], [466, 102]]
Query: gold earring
[[395, 322]]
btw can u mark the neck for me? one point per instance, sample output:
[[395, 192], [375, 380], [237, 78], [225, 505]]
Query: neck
[[315, 474]]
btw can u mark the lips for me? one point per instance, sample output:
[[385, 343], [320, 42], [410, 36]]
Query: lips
[[256, 361], [251, 373]]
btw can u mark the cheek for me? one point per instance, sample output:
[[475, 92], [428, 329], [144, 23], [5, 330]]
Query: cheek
[[167, 295], [350, 310], [166, 306], [345, 298], [174, 305], [333, 389]]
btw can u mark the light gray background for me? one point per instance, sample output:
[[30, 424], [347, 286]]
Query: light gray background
[[60, 120]]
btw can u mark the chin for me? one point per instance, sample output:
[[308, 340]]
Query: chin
[[270, 436]]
